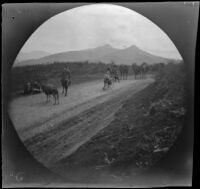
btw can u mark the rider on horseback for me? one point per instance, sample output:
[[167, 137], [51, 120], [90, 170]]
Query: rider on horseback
[[65, 79], [66, 75], [107, 79], [107, 76]]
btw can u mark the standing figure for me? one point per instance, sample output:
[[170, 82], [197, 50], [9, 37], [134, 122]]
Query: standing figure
[[65, 79]]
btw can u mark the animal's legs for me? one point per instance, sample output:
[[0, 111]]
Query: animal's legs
[[66, 91], [111, 85], [58, 99], [54, 99], [105, 86]]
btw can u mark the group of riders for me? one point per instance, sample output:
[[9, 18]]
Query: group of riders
[[65, 79], [35, 87], [113, 74], [110, 76]]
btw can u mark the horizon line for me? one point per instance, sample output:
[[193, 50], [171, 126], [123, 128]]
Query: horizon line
[[117, 48]]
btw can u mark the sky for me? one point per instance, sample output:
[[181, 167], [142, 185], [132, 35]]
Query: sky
[[95, 25]]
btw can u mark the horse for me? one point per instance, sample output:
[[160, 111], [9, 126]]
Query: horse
[[116, 77], [140, 70], [50, 90], [136, 70], [123, 69], [65, 84], [114, 74], [107, 83]]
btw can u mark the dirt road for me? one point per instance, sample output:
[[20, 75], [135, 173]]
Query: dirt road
[[52, 132]]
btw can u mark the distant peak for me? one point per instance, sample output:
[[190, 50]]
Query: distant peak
[[132, 47]]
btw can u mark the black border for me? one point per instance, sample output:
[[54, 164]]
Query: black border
[[177, 19]]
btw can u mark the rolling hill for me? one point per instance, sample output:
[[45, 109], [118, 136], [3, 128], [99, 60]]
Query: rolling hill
[[105, 53], [23, 56]]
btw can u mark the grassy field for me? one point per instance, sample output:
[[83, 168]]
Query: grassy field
[[143, 130]]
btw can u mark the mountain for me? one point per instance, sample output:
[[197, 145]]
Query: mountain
[[105, 53], [131, 55], [22, 56], [73, 56]]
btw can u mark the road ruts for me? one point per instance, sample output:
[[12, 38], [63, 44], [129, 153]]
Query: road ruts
[[64, 138]]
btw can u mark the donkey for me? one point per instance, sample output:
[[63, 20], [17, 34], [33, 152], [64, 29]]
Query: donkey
[[51, 90], [65, 84]]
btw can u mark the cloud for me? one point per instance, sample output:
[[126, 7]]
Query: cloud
[[94, 25]]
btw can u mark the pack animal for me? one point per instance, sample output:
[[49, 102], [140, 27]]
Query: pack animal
[[123, 69], [51, 90]]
